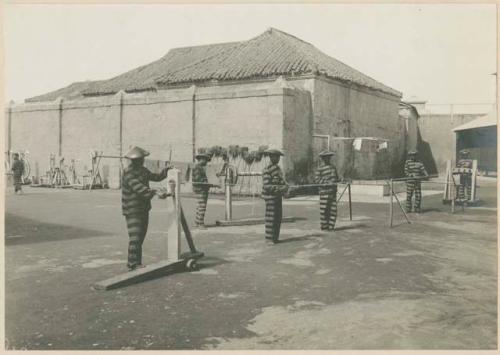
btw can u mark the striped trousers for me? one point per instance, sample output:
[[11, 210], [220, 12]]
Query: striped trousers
[[465, 187], [137, 225], [201, 208], [274, 214], [411, 188], [328, 209]]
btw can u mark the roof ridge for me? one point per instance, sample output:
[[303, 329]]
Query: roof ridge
[[318, 65], [206, 45], [280, 32]]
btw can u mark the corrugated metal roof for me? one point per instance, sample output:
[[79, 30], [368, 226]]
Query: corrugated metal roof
[[268, 55], [484, 121]]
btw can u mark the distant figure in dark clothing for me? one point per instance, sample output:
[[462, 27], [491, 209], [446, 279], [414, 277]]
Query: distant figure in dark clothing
[[465, 186], [136, 202], [18, 171]]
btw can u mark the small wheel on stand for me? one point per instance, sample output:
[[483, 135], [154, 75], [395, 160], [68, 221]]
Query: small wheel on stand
[[191, 265]]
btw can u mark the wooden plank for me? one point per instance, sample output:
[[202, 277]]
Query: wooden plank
[[174, 219], [187, 232], [447, 192], [139, 275], [249, 221]]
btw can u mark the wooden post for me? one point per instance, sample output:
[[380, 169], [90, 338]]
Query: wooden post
[[473, 181], [60, 125], [350, 206], [390, 203], [174, 213], [229, 197], [447, 185], [452, 194]]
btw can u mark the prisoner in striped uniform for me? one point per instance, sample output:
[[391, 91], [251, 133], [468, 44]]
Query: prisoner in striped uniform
[[465, 186], [326, 174], [274, 187], [136, 202], [201, 188], [414, 169]]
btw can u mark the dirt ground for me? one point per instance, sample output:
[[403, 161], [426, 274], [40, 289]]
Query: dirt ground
[[431, 284]]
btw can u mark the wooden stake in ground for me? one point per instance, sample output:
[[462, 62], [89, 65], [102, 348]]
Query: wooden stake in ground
[[390, 203]]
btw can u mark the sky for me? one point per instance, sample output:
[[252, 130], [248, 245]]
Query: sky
[[438, 53]]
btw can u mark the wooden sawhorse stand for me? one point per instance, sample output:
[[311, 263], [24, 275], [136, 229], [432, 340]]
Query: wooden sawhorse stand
[[175, 260]]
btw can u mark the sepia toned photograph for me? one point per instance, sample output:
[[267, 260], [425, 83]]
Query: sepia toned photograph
[[250, 176]]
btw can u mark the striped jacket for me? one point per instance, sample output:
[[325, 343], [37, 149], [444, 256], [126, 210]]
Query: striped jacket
[[273, 182], [136, 194], [200, 176], [464, 163], [326, 174], [414, 168]]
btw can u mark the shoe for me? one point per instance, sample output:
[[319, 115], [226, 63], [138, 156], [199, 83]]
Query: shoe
[[139, 266]]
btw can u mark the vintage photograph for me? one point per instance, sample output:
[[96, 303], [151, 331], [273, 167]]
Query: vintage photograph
[[250, 176]]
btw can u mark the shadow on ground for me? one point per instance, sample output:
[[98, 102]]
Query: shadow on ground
[[20, 230]]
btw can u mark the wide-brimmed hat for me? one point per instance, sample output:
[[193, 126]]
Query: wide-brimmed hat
[[464, 151], [273, 152], [202, 155], [326, 153], [136, 152], [413, 152]]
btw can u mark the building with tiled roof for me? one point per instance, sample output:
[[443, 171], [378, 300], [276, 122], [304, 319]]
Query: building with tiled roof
[[273, 90], [269, 55]]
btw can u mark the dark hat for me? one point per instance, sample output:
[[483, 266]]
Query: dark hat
[[136, 153], [326, 153], [202, 155], [274, 152], [413, 152]]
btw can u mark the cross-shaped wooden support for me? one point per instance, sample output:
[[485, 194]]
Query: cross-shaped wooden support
[[175, 260]]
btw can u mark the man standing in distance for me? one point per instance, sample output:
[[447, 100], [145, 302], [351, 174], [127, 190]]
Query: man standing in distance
[[201, 188], [414, 171], [327, 175], [274, 187]]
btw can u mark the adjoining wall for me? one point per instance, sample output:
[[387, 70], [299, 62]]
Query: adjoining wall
[[297, 135], [181, 121], [248, 118], [437, 133], [35, 129], [348, 111], [160, 123], [88, 126]]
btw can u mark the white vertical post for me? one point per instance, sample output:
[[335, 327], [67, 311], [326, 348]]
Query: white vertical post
[[391, 192], [229, 203], [473, 180], [229, 197], [174, 216]]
